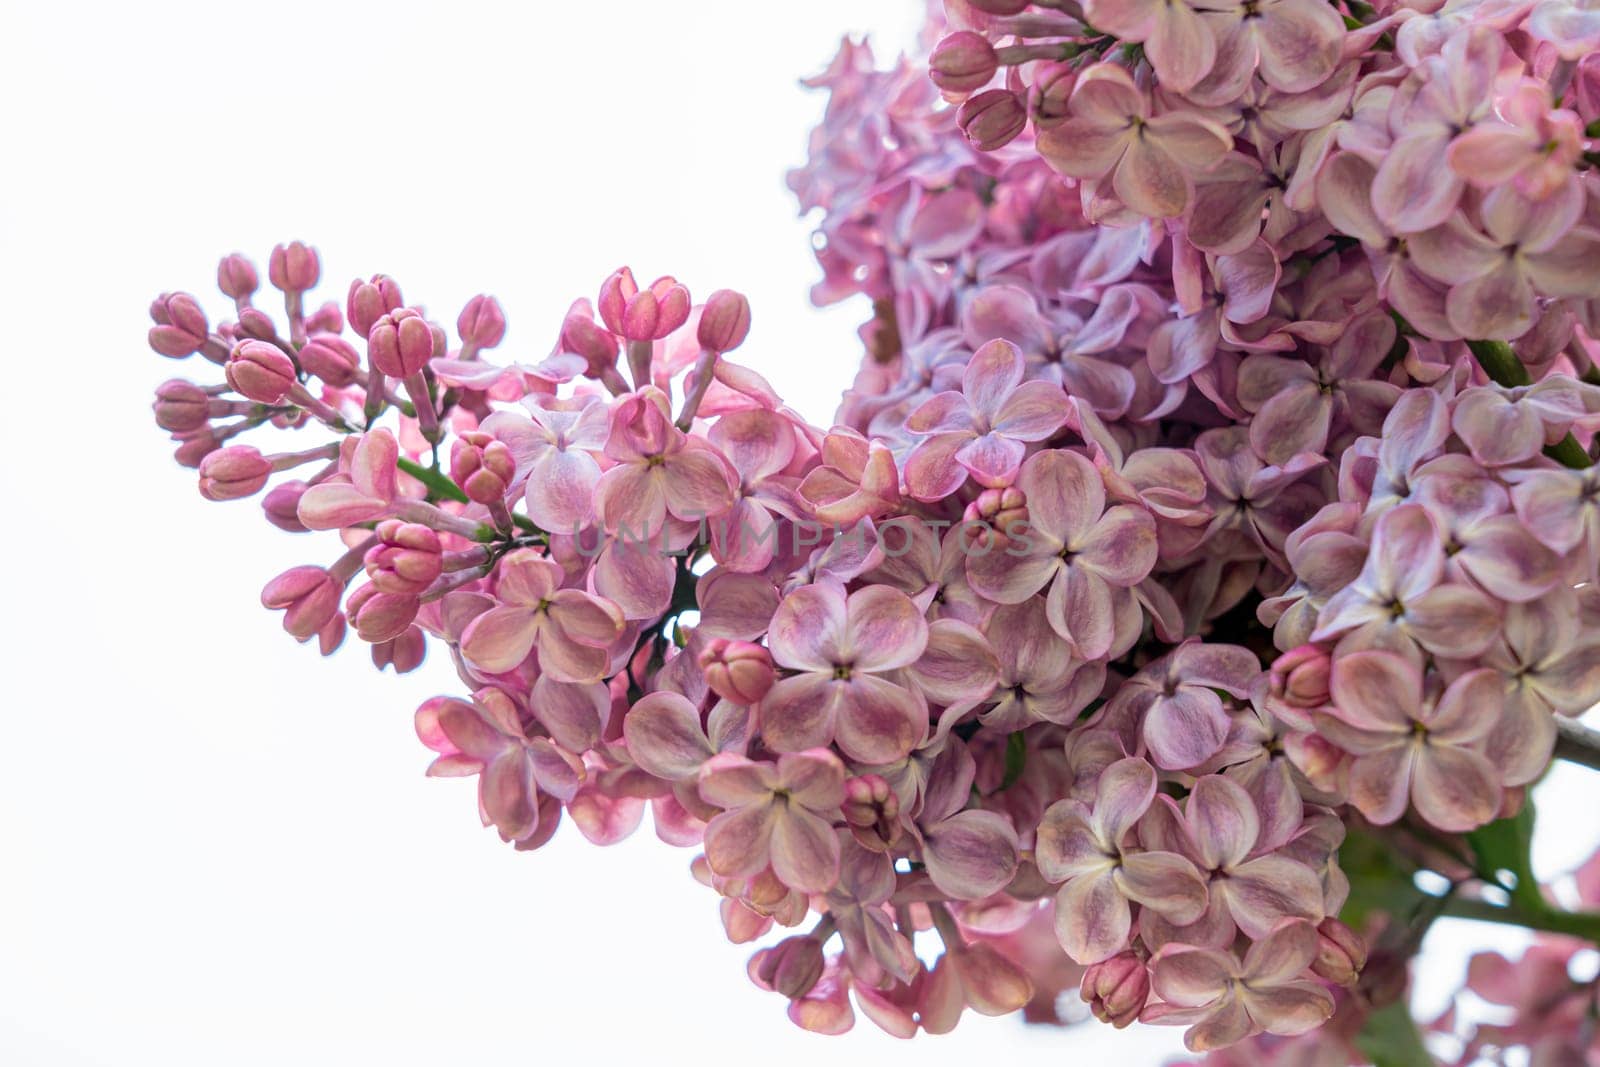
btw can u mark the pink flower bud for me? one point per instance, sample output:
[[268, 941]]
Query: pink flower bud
[[1052, 90], [331, 358], [740, 671], [326, 319], [195, 446], [294, 267], [642, 314], [181, 406], [581, 336], [282, 506], [872, 809], [1116, 989], [331, 636], [995, 516], [482, 323], [253, 322], [400, 343], [236, 277], [406, 559], [724, 321], [404, 653], [233, 473], [482, 466], [1300, 677], [992, 119], [369, 301], [792, 967], [962, 63], [260, 371], [180, 326], [1340, 953], [307, 596], [379, 616]]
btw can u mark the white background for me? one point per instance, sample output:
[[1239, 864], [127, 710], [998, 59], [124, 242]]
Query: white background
[[214, 846]]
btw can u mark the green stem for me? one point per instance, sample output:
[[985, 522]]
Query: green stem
[[1584, 924], [1504, 368], [438, 484]]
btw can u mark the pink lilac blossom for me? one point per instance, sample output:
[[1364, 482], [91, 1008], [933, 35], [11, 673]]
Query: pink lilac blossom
[[1217, 487]]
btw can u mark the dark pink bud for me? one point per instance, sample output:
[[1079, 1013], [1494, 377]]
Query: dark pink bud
[[379, 616], [294, 267], [400, 343], [740, 671], [181, 326], [580, 335], [331, 636], [615, 292], [308, 597], [404, 653], [233, 473], [260, 371], [282, 506], [482, 466], [1300, 676], [1052, 89], [369, 301], [992, 119], [1340, 953], [253, 322], [482, 323], [872, 809], [236, 277], [724, 321], [792, 967], [331, 358], [406, 559], [963, 63], [1116, 989], [181, 406], [195, 446]]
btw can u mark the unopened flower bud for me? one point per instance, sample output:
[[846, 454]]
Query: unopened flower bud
[[724, 321], [236, 277], [233, 473], [872, 809], [482, 466], [406, 559], [962, 63], [404, 653], [740, 671], [482, 323], [294, 267], [581, 336], [260, 371], [369, 301], [642, 314], [1116, 989], [331, 358], [331, 636], [379, 616], [328, 319], [281, 506], [992, 119], [181, 406], [194, 446], [792, 967], [995, 516], [1340, 953], [400, 343], [1300, 677], [180, 326], [1052, 90], [993, 984], [307, 596], [253, 322]]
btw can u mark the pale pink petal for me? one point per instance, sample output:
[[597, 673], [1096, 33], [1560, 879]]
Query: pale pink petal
[[878, 722], [972, 854], [1166, 883], [808, 631], [1380, 783], [738, 843], [1264, 892], [1453, 788], [500, 638], [805, 850], [664, 736], [1223, 821], [884, 630], [1092, 918], [1185, 729]]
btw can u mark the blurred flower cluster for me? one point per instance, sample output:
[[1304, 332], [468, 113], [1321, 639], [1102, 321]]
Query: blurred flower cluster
[[1212, 520]]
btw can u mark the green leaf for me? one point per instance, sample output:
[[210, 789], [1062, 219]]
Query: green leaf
[[1503, 846], [1380, 880], [1016, 760], [1390, 1039]]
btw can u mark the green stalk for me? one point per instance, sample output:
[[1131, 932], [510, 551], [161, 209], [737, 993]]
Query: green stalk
[[439, 484], [1584, 924]]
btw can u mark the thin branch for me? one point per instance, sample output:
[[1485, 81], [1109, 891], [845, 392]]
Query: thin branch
[[1576, 743]]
